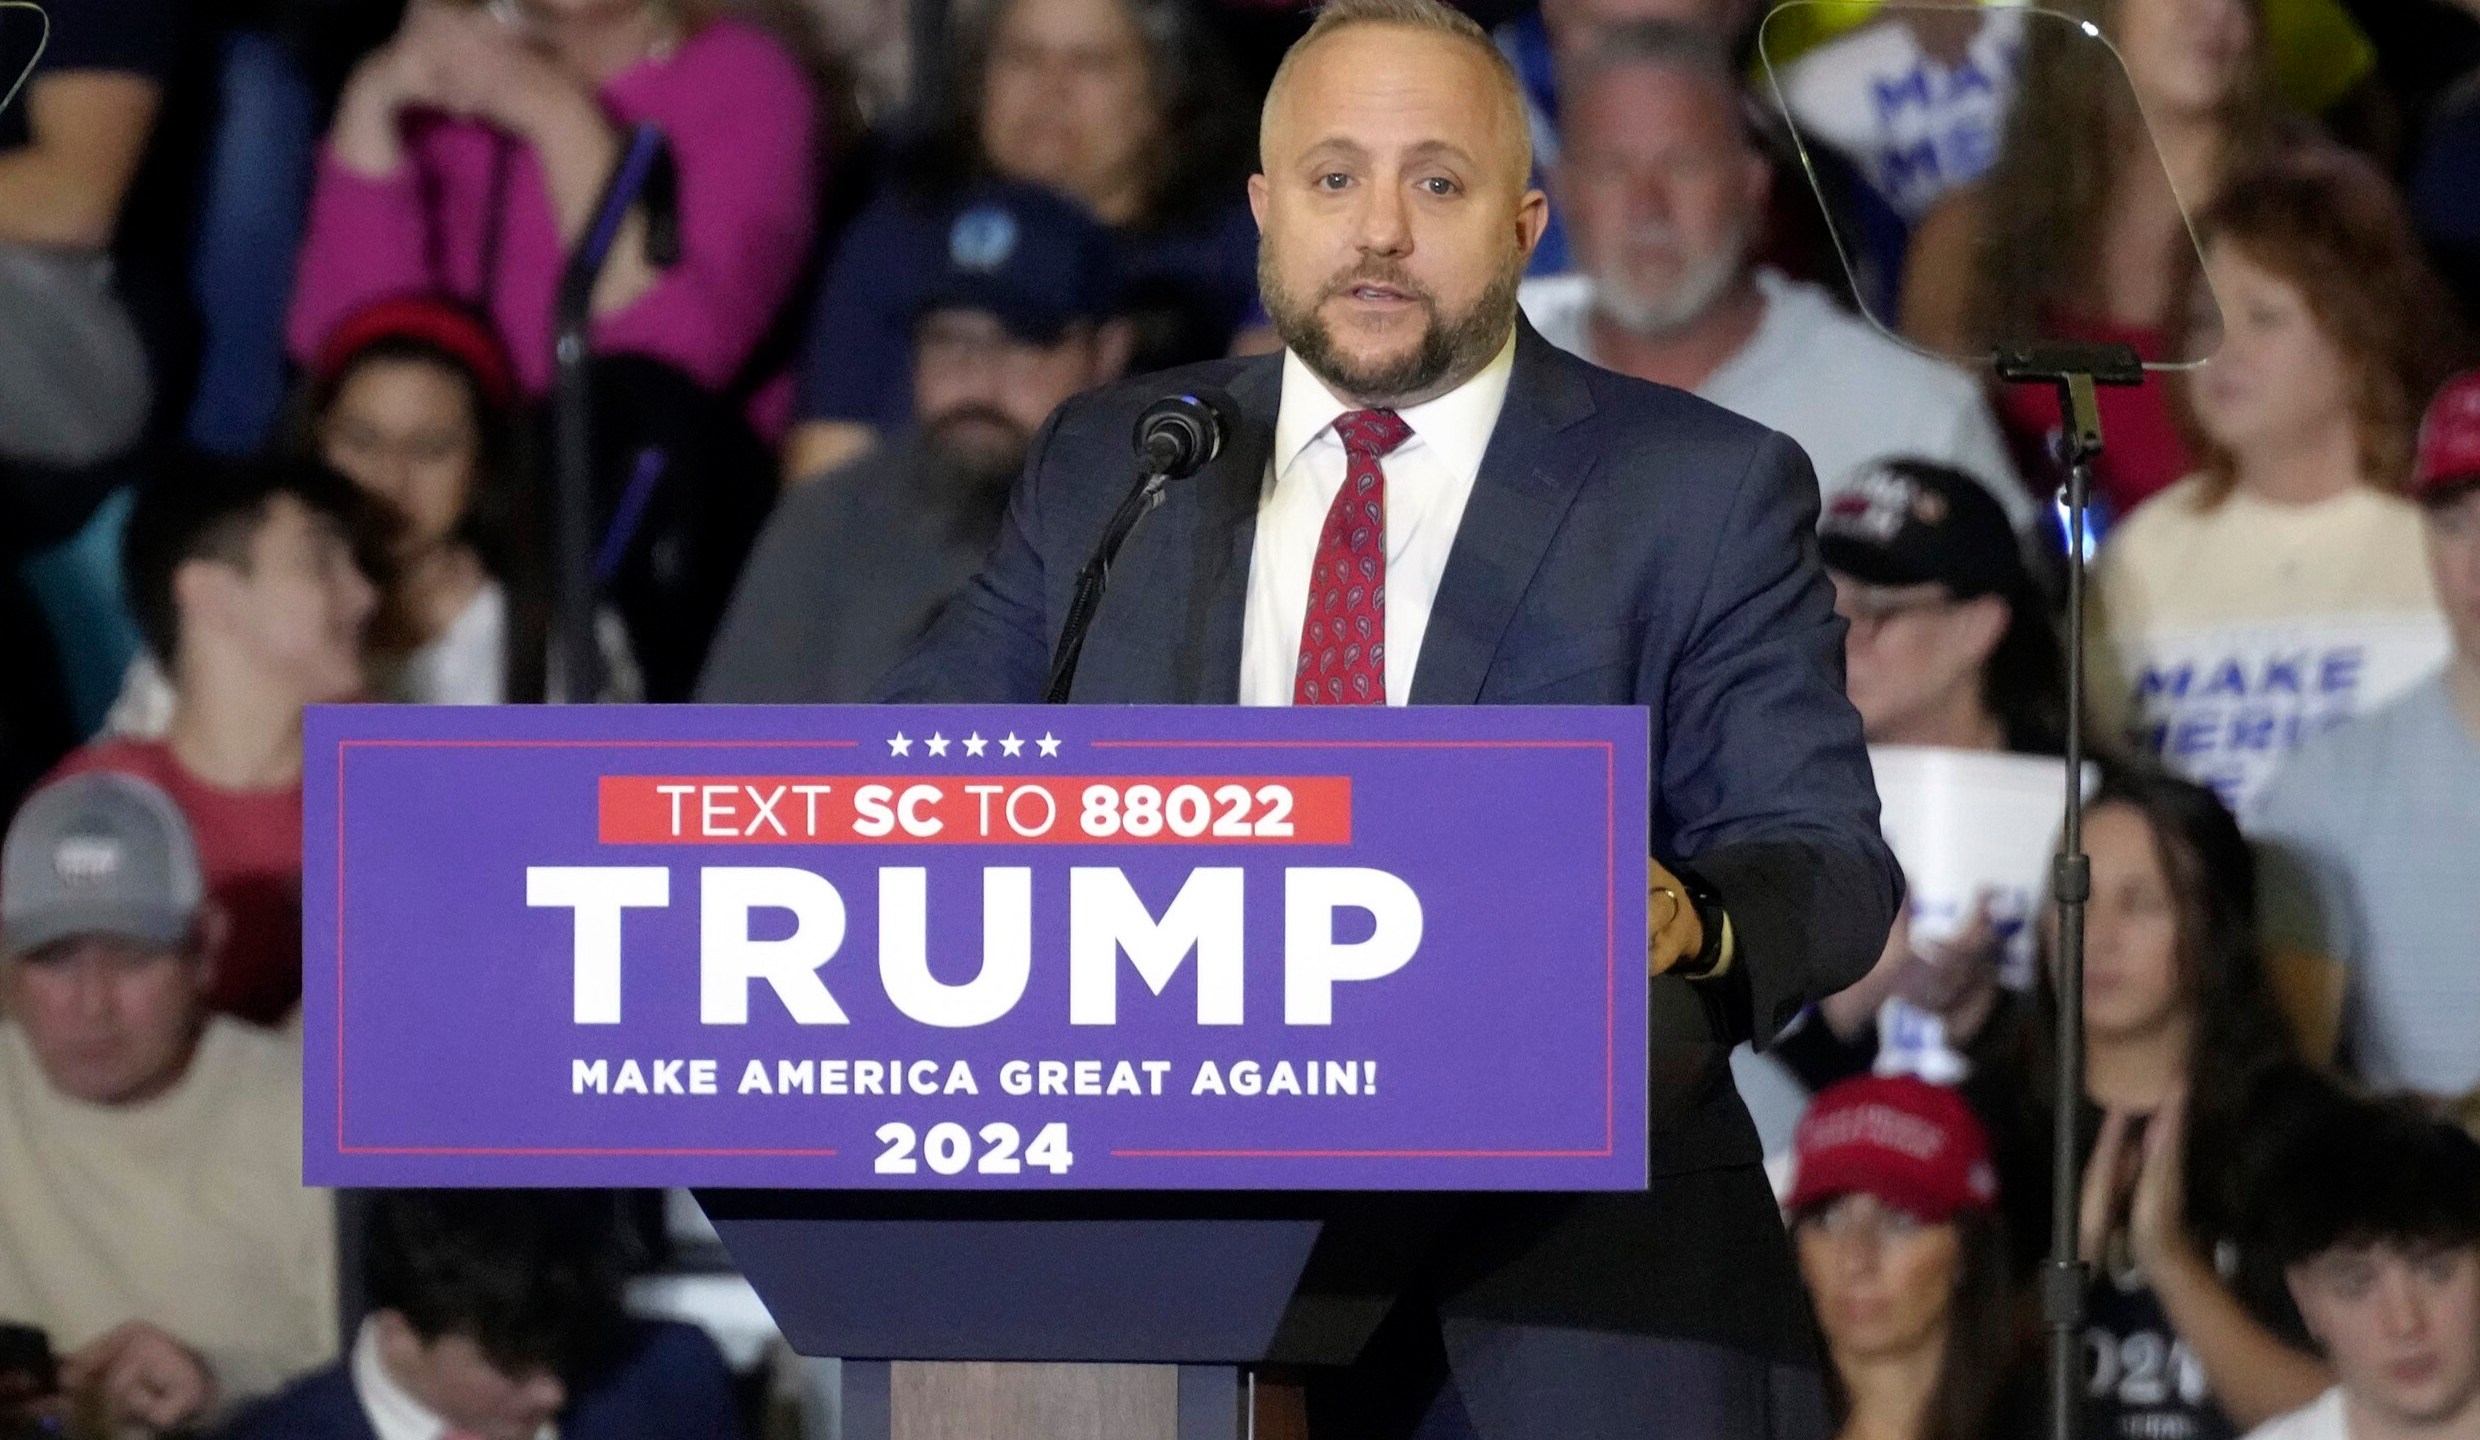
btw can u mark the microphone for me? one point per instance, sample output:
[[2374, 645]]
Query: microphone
[[1176, 437], [1179, 435]]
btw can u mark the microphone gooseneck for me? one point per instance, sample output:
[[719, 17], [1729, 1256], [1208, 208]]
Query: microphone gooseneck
[[1175, 437]]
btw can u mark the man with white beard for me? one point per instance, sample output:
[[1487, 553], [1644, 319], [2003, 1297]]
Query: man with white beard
[[1663, 189]]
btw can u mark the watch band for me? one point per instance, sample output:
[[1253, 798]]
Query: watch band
[[1714, 956]]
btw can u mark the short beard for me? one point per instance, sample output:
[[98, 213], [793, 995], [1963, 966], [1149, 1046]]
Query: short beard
[[1657, 316], [1452, 349], [977, 442]]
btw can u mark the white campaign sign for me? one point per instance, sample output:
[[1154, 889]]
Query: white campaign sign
[[1965, 824]]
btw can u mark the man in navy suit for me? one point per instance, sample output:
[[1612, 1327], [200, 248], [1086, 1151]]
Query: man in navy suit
[[1422, 502]]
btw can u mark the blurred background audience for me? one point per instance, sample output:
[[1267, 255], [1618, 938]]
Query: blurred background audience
[[2282, 587], [275, 354]]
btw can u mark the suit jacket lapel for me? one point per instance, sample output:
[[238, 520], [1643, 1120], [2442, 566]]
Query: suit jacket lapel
[[1229, 491], [1529, 477]]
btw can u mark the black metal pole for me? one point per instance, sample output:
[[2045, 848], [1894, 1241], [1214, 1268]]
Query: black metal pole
[[2063, 1277], [574, 659], [2075, 370]]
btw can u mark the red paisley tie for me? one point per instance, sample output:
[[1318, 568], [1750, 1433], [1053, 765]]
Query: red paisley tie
[[1343, 636]]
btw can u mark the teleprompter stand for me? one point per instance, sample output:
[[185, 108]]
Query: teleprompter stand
[[2075, 370]]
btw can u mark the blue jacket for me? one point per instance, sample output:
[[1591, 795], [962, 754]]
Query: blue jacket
[[673, 1386], [1625, 544]]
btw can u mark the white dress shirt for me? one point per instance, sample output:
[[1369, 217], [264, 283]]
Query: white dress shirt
[[1428, 480], [393, 1412]]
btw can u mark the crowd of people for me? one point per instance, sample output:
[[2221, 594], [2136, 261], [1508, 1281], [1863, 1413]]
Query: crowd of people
[[279, 285]]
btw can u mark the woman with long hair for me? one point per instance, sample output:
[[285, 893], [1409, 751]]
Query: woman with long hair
[[2073, 233], [1124, 106], [2334, 333], [2190, 1081], [1901, 1245], [469, 152]]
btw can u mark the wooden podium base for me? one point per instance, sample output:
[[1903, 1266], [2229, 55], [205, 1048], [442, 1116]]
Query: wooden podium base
[[980, 1400]]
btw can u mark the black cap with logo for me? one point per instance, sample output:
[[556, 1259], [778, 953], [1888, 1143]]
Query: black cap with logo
[[1915, 522], [1032, 257]]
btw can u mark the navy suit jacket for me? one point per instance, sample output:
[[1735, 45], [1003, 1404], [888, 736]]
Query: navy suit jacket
[[1625, 544], [672, 1386]]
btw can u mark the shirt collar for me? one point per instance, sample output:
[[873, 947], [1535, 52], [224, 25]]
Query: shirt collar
[[1456, 425], [391, 1409], [393, 1412]]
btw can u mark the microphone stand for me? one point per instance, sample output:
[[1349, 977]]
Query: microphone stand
[[642, 172], [2075, 370], [1151, 478]]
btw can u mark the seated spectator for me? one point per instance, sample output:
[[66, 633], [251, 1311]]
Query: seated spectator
[[1541, 39], [2380, 813], [469, 151], [853, 567], [1121, 105], [2189, 1085], [1894, 1214], [1950, 644], [2282, 589], [244, 581], [152, 1216], [2376, 1219], [74, 386], [496, 1315], [1951, 641], [2018, 255], [414, 402], [1663, 190]]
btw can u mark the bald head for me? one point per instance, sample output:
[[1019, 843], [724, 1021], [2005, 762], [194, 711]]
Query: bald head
[[1431, 22], [1394, 206]]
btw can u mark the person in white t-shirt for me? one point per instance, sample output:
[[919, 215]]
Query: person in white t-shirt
[[2377, 1217], [2284, 588], [1663, 190]]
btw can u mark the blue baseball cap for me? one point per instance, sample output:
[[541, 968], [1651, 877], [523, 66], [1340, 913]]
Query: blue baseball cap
[[1028, 255]]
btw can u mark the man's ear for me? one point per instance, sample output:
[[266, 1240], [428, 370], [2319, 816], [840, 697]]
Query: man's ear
[[1760, 178], [1989, 616], [2303, 1300], [1259, 192], [202, 594], [1532, 219], [208, 933], [1114, 342], [400, 1345]]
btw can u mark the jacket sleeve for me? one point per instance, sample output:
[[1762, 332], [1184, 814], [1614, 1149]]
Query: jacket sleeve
[[1764, 783]]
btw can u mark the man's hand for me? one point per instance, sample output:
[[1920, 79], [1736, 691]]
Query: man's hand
[[144, 1376], [1673, 930]]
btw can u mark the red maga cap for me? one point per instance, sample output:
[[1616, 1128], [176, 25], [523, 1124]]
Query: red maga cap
[[2449, 439], [1913, 1145], [444, 324]]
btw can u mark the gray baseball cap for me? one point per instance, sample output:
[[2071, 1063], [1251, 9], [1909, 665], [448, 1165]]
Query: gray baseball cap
[[98, 853]]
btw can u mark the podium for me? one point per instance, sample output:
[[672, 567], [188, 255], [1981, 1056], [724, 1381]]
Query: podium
[[1204, 1285], [1187, 1034]]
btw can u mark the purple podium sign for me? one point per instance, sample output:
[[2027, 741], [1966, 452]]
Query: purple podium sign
[[975, 947]]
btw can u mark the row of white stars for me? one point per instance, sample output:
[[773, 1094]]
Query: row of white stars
[[974, 744]]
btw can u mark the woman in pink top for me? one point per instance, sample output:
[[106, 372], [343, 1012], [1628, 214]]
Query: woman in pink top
[[468, 153]]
